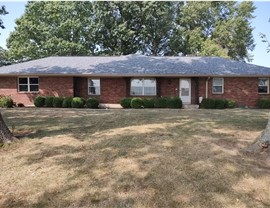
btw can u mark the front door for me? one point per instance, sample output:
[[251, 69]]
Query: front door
[[185, 90]]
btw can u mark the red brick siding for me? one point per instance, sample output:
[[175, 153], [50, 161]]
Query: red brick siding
[[168, 86], [243, 90], [9, 87], [112, 90], [55, 86]]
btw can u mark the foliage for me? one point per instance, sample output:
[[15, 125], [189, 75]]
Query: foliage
[[77, 102], [160, 102], [220, 103], [39, 101], [67, 102], [231, 103], [136, 103], [3, 11], [58, 102], [208, 103], [6, 102], [126, 102], [49, 101], [173, 102], [148, 103], [146, 27], [92, 103], [264, 103]]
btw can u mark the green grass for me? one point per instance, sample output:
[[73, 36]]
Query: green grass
[[133, 158]]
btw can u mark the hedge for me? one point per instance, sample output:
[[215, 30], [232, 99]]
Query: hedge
[[39, 101], [264, 103], [173, 102], [58, 102], [210, 103], [6, 102], [160, 102], [92, 103], [49, 101], [137, 103], [67, 102], [126, 102], [77, 102]]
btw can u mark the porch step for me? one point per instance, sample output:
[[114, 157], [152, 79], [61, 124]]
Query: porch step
[[190, 106]]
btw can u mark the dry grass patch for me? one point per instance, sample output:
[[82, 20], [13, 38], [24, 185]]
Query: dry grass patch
[[133, 158]]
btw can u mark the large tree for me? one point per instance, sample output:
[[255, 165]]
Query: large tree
[[120, 28], [52, 28], [5, 134]]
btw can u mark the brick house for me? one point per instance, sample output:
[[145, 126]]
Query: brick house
[[112, 78]]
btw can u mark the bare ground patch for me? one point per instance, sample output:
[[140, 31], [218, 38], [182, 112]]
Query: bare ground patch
[[133, 158]]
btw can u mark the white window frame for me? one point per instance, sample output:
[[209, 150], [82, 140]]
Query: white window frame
[[28, 85], [222, 85], [261, 93], [92, 86], [143, 93]]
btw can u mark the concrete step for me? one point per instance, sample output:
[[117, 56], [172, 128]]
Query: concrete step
[[190, 106]]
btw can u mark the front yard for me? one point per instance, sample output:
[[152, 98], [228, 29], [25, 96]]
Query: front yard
[[133, 158]]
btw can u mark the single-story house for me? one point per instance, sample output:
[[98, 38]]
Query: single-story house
[[110, 78]]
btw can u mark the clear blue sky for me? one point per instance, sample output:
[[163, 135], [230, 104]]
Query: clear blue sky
[[260, 24]]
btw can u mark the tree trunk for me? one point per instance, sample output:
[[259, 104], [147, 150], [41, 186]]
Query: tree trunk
[[5, 134], [262, 143]]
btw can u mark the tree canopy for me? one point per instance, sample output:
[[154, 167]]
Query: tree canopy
[[120, 28], [3, 52]]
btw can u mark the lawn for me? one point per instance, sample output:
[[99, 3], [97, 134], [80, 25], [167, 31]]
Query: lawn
[[133, 158]]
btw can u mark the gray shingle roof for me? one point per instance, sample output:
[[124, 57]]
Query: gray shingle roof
[[137, 65]]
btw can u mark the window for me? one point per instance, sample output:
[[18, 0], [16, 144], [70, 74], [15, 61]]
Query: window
[[263, 86], [217, 86], [94, 86], [143, 87], [28, 84]]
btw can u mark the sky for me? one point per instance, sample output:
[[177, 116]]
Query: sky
[[259, 23]]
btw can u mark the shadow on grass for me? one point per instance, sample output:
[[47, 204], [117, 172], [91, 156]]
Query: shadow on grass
[[188, 164]]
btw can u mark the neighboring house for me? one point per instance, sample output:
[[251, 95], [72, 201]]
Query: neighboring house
[[112, 78]]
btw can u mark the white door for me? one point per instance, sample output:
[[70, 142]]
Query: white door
[[185, 90]]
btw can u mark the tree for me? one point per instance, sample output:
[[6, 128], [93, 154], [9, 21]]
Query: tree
[[5, 134], [121, 28], [52, 28], [265, 40]]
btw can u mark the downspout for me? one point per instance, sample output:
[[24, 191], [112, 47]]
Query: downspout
[[206, 87]]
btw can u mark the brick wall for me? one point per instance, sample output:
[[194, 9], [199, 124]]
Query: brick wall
[[55, 86], [112, 90], [243, 90]]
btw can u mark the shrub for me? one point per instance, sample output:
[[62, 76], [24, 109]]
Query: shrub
[[39, 101], [126, 102], [230, 103], [208, 103], [148, 103], [57, 102], [160, 102], [6, 102], [92, 103], [264, 103], [173, 102], [136, 103], [220, 103], [67, 102], [49, 101], [77, 102]]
